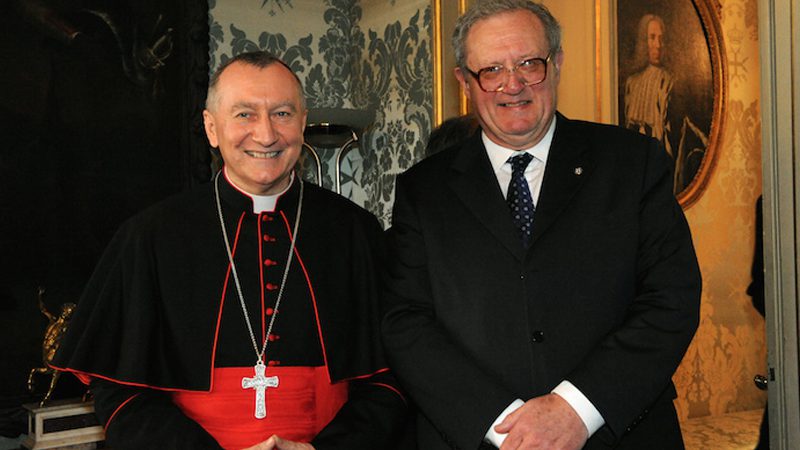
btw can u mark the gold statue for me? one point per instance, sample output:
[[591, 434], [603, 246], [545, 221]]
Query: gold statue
[[52, 339]]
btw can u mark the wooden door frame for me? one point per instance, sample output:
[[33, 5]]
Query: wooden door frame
[[780, 110]]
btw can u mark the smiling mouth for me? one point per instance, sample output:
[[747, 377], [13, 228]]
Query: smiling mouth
[[513, 104], [263, 155]]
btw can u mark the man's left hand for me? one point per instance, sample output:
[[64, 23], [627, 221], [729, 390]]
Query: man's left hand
[[546, 422], [277, 443]]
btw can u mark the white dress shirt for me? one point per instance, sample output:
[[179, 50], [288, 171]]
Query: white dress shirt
[[534, 173]]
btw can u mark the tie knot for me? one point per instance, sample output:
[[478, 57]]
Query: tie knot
[[520, 162]]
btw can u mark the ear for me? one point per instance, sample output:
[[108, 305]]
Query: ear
[[559, 61], [211, 128], [303, 130], [462, 80]]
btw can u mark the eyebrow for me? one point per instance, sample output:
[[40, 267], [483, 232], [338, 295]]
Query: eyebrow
[[253, 105], [286, 103], [528, 56]]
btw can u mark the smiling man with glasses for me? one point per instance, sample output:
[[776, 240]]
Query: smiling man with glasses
[[543, 286]]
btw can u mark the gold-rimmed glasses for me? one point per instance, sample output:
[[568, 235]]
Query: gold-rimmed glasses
[[495, 78]]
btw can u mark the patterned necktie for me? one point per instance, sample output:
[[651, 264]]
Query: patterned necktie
[[519, 197]]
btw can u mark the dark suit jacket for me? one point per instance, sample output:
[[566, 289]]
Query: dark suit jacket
[[607, 296]]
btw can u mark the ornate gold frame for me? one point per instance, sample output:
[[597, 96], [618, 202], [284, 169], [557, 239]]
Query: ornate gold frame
[[710, 11], [448, 99], [709, 14]]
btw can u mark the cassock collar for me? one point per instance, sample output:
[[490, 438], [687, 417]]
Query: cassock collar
[[243, 201]]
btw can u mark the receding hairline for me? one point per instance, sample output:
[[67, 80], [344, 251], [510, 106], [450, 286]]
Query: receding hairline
[[260, 60]]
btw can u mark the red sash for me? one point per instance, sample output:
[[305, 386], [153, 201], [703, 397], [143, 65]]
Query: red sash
[[299, 408]]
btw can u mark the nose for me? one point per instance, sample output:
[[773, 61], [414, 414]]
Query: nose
[[263, 132], [514, 83]]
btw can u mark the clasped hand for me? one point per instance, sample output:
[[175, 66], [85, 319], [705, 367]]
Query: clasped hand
[[277, 443], [546, 422]]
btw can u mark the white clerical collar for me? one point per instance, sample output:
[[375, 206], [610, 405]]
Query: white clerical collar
[[498, 155], [261, 203]]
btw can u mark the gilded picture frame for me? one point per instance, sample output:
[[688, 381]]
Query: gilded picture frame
[[677, 93], [448, 98]]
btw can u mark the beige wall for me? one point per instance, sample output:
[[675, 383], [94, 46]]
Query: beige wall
[[717, 372], [729, 348], [577, 94]]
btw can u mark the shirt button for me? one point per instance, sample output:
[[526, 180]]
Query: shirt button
[[268, 262], [271, 287], [538, 336], [268, 238]]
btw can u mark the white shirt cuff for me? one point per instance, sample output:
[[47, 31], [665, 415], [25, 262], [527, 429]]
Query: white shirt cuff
[[494, 437], [586, 411]]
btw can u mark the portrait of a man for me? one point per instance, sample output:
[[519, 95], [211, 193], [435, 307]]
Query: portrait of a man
[[665, 80], [647, 92]]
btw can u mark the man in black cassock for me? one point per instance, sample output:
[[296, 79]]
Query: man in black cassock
[[242, 313]]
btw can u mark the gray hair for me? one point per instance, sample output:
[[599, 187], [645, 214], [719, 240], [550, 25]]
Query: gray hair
[[482, 9], [261, 59], [640, 56]]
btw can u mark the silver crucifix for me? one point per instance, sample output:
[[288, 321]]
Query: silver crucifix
[[260, 383]]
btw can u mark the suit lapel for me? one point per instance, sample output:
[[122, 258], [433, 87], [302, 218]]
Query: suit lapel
[[475, 184], [568, 165]]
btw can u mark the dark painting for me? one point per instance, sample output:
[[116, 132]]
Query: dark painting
[[667, 85], [101, 101]]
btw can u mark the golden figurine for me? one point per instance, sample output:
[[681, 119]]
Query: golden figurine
[[52, 339]]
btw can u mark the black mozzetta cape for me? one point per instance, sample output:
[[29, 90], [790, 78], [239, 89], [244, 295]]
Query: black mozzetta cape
[[161, 311]]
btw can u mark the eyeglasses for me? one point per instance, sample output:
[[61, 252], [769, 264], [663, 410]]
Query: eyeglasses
[[494, 78]]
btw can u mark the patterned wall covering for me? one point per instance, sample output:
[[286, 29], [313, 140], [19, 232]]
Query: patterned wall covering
[[363, 54], [716, 376]]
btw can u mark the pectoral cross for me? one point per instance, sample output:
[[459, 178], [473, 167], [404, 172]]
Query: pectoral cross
[[260, 383]]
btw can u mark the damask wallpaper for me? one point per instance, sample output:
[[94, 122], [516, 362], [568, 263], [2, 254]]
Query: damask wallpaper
[[716, 376], [370, 55]]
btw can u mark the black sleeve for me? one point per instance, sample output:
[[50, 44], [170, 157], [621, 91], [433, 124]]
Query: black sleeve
[[374, 417], [756, 287], [139, 418]]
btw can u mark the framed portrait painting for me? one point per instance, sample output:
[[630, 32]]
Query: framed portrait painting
[[671, 83]]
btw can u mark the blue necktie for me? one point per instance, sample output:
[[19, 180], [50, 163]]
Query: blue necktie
[[519, 197]]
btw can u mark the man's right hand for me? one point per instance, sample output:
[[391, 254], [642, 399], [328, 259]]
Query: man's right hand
[[546, 422]]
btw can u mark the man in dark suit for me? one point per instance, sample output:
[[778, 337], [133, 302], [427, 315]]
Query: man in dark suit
[[539, 301]]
